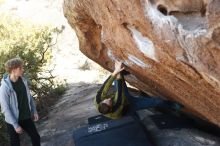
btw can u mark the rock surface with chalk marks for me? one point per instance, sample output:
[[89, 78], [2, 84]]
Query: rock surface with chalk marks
[[171, 48]]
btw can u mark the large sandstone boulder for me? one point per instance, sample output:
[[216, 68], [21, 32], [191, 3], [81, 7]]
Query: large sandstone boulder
[[171, 47]]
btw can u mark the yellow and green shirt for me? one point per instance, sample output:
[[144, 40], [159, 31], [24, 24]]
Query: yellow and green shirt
[[118, 98]]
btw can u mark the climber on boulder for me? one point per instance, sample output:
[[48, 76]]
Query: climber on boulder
[[114, 105]]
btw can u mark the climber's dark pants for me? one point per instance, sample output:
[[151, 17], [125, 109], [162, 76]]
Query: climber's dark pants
[[140, 102]]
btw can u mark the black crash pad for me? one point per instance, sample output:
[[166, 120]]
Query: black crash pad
[[177, 130], [123, 132]]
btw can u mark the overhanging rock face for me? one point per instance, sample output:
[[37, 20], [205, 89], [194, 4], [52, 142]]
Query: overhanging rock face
[[171, 47]]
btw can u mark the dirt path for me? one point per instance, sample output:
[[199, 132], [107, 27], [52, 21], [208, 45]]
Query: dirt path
[[69, 113]]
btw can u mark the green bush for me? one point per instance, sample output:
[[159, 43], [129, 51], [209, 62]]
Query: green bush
[[3, 137], [34, 45]]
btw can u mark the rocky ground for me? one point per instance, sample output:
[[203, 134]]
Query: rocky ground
[[74, 108], [70, 112]]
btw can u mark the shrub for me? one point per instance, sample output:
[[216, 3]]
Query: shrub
[[33, 44], [4, 138]]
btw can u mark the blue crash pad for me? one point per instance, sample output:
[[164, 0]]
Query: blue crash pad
[[123, 132]]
